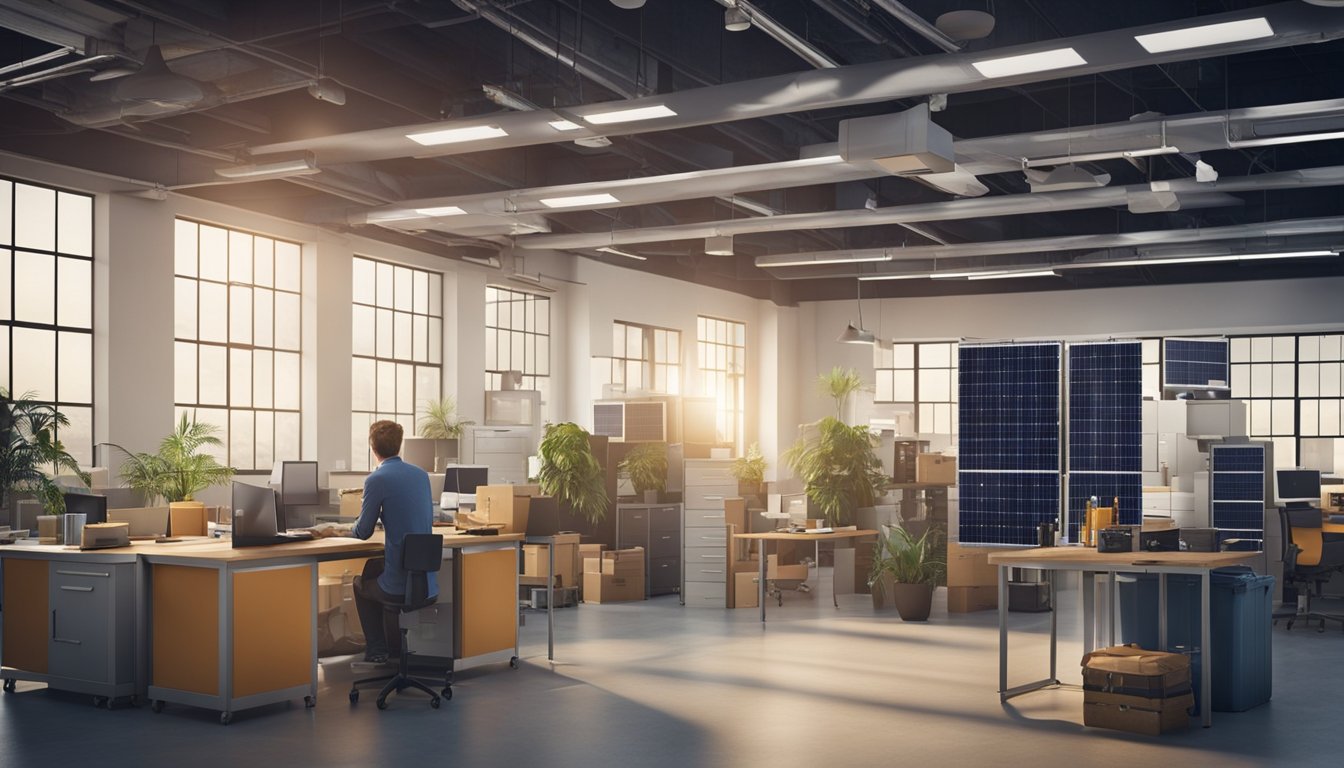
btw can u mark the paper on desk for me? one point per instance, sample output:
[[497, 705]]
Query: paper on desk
[[342, 539]]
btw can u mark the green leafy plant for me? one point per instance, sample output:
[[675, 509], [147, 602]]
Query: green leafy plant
[[438, 420], [646, 466], [750, 468], [179, 469], [30, 450], [839, 468], [909, 560], [839, 384], [571, 473]]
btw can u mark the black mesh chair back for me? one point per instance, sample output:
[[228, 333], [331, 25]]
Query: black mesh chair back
[[421, 555]]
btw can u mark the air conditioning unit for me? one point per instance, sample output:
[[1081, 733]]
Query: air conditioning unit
[[632, 421]]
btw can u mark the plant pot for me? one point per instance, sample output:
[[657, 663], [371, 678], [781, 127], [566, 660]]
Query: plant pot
[[913, 601], [650, 497]]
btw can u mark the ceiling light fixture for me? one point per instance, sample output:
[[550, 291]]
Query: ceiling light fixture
[[719, 245], [564, 125], [901, 276], [1041, 61], [1206, 35], [457, 135], [817, 259], [628, 115], [1199, 259], [1091, 157], [1011, 275], [328, 90], [574, 201], [857, 334], [445, 210], [305, 165], [626, 254], [736, 20]]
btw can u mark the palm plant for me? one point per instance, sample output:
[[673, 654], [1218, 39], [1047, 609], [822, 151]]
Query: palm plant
[[29, 450], [839, 384], [839, 468], [646, 466], [750, 468], [178, 470], [438, 420], [909, 560], [571, 473]]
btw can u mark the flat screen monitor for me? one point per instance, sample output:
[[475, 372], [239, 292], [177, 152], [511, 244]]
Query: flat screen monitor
[[1297, 486], [298, 483], [462, 478], [254, 516], [89, 504]]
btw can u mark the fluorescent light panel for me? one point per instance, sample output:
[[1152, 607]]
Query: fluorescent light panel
[[457, 135], [906, 276], [1203, 36], [564, 125], [617, 252], [1010, 275], [577, 200], [1041, 61], [1199, 259], [629, 115], [766, 261], [299, 166], [443, 210]]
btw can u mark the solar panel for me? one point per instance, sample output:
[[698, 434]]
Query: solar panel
[[1105, 454], [1008, 442], [1194, 364], [1237, 496]]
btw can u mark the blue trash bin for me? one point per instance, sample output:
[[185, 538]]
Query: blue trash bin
[[1240, 608]]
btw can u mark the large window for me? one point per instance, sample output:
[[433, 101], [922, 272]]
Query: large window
[[921, 378], [518, 338], [645, 358], [1320, 371], [1264, 374], [46, 304], [397, 345], [239, 332], [722, 355]]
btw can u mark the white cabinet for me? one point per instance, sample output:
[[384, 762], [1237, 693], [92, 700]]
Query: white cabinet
[[705, 535], [504, 450]]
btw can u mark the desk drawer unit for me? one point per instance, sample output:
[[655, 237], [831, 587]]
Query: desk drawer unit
[[656, 528], [704, 536]]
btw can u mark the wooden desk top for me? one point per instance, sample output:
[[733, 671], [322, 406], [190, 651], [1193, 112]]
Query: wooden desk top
[[786, 536], [208, 548], [1089, 556]]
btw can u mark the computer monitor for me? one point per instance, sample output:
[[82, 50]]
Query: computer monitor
[[254, 515], [298, 483], [1297, 487], [461, 478], [89, 504]]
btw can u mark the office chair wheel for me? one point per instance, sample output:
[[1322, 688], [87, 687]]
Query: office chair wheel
[[448, 693], [225, 718], [9, 685], [354, 696], [156, 706], [513, 663], [309, 702], [99, 701], [434, 703], [382, 703]]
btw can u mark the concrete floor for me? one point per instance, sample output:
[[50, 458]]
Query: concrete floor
[[654, 684]]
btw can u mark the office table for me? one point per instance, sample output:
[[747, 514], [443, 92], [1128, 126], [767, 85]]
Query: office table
[[1089, 563], [805, 536]]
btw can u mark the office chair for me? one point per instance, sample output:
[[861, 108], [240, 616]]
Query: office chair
[[422, 556], [1310, 558]]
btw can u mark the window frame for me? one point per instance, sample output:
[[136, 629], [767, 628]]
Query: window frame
[[647, 361], [531, 340], [731, 411]]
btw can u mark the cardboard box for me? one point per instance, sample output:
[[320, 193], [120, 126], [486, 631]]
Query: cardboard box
[[969, 566], [1174, 683], [499, 505], [773, 570], [735, 512], [746, 590], [970, 599], [1136, 714], [536, 556], [936, 468], [622, 562], [328, 592], [1133, 660], [608, 588], [351, 500]]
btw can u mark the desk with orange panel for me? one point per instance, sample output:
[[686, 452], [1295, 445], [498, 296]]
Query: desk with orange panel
[[200, 623]]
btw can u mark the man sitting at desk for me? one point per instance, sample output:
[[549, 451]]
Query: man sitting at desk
[[398, 493]]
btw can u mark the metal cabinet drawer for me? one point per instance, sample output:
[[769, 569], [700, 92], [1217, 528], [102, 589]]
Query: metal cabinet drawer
[[665, 544], [665, 519], [705, 518], [664, 575], [706, 564], [704, 595], [81, 621], [708, 496], [707, 537], [710, 473]]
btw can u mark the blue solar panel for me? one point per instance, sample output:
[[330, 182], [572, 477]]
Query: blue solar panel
[[1237, 496], [1194, 364], [1005, 507], [1105, 429], [1008, 442]]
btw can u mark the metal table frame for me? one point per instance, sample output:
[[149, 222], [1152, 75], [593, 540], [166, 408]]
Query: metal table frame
[[816, 538]]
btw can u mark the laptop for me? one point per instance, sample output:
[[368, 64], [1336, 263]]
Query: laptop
[[255, 519]]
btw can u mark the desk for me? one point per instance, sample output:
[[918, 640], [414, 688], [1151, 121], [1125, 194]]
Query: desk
[[1089, 562], [786, 536], [231, 629]]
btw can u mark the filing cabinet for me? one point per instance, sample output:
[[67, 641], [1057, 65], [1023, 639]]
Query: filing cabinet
[[656, 528]]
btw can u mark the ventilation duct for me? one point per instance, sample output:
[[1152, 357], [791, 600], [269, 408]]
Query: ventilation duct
[[904, 144], [157, 85], [1063, 178]]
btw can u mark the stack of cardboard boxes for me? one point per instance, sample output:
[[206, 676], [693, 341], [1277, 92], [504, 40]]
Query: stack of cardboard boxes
[[1127, 688], [972, 583], [567, 563], [614, 576]]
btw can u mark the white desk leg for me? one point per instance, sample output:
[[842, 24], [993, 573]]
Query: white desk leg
[[761, 584], [1162, 611], [1003, 633], [1089, 591], [1205, 652]]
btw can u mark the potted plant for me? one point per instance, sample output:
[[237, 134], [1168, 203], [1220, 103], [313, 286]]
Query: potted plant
[[439, 422], [179, 469], [749, 469], [839, 468], [30, 452], [880, 579], [571, 473], [646, 466], [915, 570], [838, 384]]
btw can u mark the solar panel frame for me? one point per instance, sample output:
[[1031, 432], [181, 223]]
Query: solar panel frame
[[1105, 430], [1195, 364], [1237, 489]]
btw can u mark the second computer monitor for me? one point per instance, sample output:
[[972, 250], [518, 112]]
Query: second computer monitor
[[461, 478], [1297, 486], [298, 483], [89, 504]]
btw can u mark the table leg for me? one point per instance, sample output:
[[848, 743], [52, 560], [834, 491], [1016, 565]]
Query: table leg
[[1003, 633], [1205, 652], [1089, 591], [761, 583], [817, 554], [1162, 611], [1112, 605], [550, 602], [1054, 628]]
